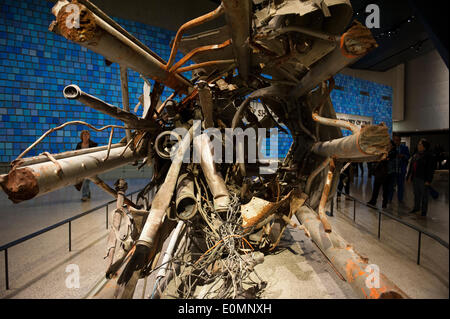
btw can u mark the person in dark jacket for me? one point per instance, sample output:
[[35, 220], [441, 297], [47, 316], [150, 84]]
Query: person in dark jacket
[[384, 172], [344, 181], [421, 172], [400, 163], [86, 142]]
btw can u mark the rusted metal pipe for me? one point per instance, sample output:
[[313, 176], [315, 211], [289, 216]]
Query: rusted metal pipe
[[125, 98], [196, 51], [336, 123], [324, 198], [313, 175], [19, 159], [185, 200], [100, 183], [99, 36], [352, 266], [188, 25], [73, 92], [278, 90], [206, 102], [26, 182], [203, 64], [162, 198], [306, 31], [163, 105], [371, 142], [336, 60], [238, 16], [202, 145], [170, 249], [183, 242], [118, 27], [118, 214], [42, 158]]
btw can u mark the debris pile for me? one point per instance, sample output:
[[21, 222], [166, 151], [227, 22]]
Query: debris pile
[[216, 204]]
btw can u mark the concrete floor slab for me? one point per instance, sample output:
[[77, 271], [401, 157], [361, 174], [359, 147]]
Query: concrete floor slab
[[297, 270]]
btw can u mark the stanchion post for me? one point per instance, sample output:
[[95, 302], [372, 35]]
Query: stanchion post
[[379, 224], [418, 248], [332, 207], [6, 270], [70, 236], [107, 213]]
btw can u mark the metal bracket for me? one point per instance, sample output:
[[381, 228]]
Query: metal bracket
[[58, 171]]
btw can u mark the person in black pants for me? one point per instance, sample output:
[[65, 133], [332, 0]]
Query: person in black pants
[[344, 182], [421, 171], [356, 167], [383, 171], [86, 142]]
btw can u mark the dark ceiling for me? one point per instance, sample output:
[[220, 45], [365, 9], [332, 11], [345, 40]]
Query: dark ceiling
[[408, 29], [403, 34]]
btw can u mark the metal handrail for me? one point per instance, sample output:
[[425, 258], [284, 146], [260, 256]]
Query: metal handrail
[[380, 212], [44, 230]]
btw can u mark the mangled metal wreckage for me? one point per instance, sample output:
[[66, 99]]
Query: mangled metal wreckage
[[222, 217]]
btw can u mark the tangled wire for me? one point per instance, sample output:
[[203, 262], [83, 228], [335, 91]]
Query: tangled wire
[[223, 270]]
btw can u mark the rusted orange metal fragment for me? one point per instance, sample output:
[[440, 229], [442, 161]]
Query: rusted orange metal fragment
[[271, 208], [190, 24], [203, 64], [88, 30], [196, 51], [324, 199], [357, 41], [20, 184]]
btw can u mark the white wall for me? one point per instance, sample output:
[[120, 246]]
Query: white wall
[[426, 95]]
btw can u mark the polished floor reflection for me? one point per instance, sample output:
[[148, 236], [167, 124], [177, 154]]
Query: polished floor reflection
[[437, 220], [397, 249], [38, 268]]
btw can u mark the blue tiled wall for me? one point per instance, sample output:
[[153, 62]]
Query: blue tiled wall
[[360, 97], [36, 64]]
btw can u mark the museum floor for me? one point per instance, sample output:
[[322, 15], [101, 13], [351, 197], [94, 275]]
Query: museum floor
[[37, 268]]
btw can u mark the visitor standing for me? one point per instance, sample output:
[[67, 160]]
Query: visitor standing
[[86, 142], [420, 174], [400, 165], [384, 172], [344, 181]]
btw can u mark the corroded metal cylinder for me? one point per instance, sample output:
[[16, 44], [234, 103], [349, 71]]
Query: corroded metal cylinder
[[97, 35], [370, 142], [26, 182], [213, 178], [352, 266], [73, 92], [185, 200]]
